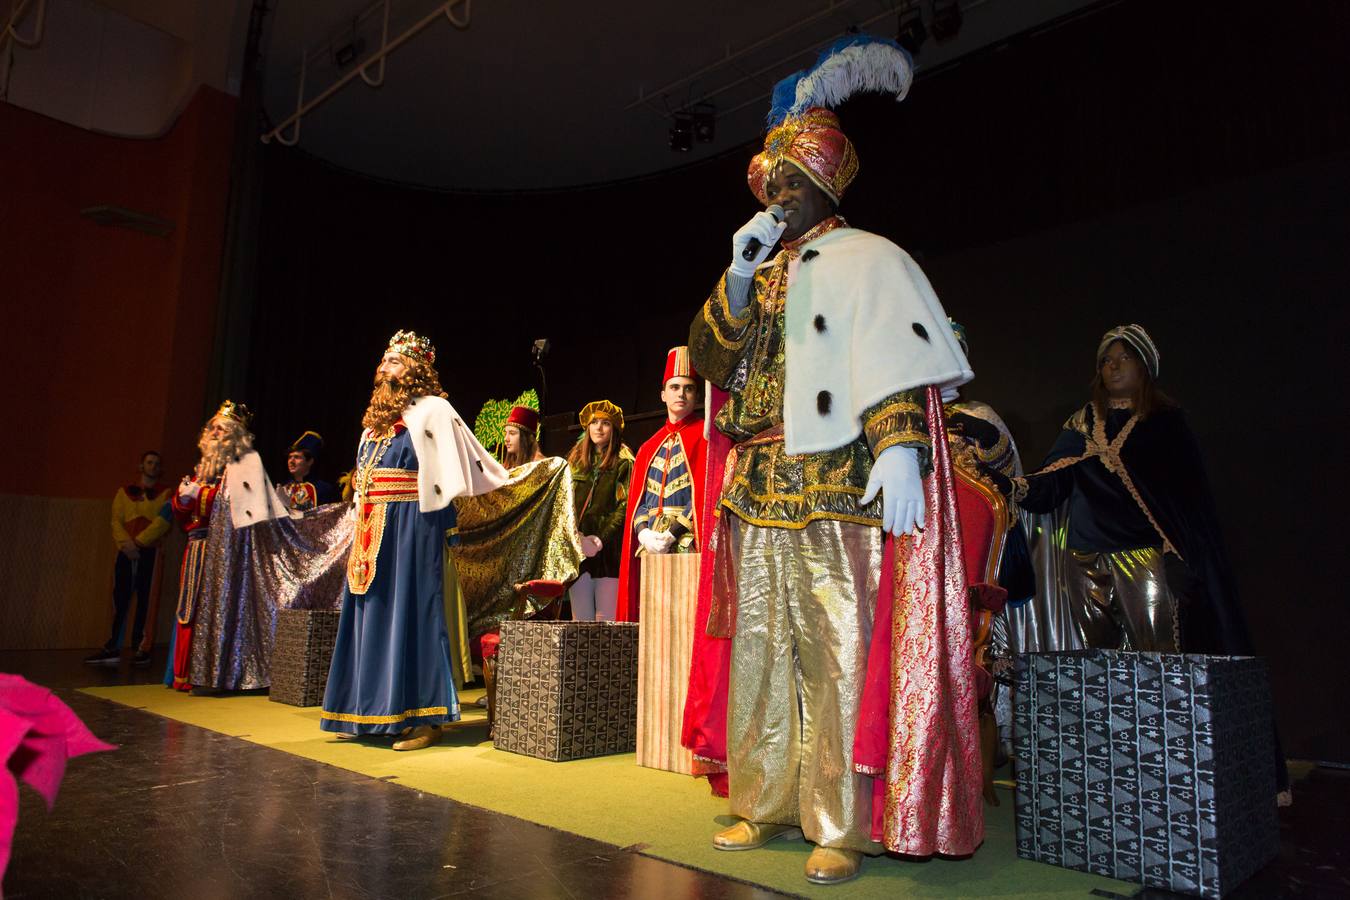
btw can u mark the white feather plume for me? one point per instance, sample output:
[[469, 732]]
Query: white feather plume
[[862, 67]]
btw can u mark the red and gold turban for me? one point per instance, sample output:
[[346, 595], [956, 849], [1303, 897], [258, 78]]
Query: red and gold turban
[[814, 143]]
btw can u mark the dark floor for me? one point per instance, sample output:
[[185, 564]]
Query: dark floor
[[180, 811]]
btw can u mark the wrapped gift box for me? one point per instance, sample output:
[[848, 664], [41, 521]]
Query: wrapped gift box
[[667, 598], [1146, 767], [302, 654], [566, 690]]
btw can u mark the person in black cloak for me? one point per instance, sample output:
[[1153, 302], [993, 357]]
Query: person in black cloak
[[1145, 565]]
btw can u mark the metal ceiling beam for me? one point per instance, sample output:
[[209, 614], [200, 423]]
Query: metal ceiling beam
[[304, 107], [834, 7]]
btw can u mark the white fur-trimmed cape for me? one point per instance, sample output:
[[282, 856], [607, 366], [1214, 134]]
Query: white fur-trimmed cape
[[450, 461], [862, 323]]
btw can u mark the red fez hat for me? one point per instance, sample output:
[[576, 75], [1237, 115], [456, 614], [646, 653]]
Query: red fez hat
[[525, 418], [678, 365]]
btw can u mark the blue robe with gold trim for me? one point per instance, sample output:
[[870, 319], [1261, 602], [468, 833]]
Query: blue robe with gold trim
[[391, 665]]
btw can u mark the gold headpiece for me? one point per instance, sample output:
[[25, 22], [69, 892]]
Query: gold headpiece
[[601, 408], [236, 411], [409, 344]]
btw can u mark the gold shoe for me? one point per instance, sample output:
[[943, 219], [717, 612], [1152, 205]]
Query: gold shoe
[[833, 865], [420, 737], [748, 835]]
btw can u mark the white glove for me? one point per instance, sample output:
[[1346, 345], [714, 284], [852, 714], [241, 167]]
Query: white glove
[[655, 541], [762, 228], [591, 545], [896, 475], [950, 393], [188, 489]]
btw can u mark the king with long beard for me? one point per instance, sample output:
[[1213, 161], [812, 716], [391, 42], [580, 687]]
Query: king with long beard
[[391, 672], [224, 441]]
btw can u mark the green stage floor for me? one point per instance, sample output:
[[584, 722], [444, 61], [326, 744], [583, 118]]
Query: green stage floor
[[614, 800]]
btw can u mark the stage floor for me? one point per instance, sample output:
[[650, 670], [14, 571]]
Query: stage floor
[[199, 801]]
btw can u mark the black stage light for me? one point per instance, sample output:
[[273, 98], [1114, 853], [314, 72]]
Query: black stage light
[[346, 54], [540, 349], [705, 124], [946, 19], [911, 33], [682, 133]]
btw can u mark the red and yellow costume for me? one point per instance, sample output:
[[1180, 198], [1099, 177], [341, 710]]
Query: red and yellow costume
[[195, 517]]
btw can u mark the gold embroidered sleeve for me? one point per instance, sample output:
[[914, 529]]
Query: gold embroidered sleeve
[[898, 420], [717, 339]]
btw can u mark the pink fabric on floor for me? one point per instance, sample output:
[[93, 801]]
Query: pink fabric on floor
[[38, 734]]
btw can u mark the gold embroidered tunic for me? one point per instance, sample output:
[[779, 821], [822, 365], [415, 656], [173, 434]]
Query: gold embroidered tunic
[[746, 355]]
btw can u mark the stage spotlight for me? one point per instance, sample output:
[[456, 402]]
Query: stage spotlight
[[540, 349], [911, 33], [682, 133], [946, 19], [346, 54], [705, 123]]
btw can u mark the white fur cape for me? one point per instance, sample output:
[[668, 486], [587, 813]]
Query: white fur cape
[[253, 499], [450, 461], [862, 323]]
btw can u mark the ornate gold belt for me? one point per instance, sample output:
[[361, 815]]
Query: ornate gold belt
[[390, 486], [381, 487]]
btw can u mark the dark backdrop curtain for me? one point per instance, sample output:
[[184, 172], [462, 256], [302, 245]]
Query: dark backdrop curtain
[[1183, 165]]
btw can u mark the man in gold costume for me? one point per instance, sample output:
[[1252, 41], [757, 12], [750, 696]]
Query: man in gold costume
[[824, 349]]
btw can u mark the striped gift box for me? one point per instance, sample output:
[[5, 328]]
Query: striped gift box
[[667, 597]]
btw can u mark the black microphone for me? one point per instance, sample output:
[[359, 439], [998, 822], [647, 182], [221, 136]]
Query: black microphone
[[754, 246]]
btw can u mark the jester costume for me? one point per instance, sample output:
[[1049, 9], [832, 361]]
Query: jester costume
[[138, 514], [837, 358], [664, 493], [391, 666]]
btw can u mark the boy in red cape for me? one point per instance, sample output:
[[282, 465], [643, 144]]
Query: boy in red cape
[[667, 483]]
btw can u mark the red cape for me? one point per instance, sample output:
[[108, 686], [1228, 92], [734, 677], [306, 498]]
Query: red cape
[[690, 432]]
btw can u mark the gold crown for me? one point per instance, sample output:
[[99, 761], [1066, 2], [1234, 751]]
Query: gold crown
[[237, 411], [409, 344]]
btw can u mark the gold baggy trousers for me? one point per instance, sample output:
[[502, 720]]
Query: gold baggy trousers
[[798, 661], [1122, 600]]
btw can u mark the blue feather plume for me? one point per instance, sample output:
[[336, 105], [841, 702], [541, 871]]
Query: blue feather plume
[[851, 65]]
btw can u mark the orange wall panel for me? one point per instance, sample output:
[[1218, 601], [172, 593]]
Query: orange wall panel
[[107, 330]]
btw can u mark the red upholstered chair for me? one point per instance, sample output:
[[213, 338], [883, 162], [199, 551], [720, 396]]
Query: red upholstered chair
[[985, 520], [488, 643]]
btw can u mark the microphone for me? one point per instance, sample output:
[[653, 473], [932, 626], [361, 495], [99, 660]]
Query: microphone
[[754, 246]]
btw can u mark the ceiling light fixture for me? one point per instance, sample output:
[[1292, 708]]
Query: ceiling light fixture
[[947, 19], [910, 32]]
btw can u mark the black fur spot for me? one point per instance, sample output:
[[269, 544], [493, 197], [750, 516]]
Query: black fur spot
[[436, 488], [823, 400], [247, 486], [810, 255], [479, 464], [820, 324], [921, 331], [429, 435]]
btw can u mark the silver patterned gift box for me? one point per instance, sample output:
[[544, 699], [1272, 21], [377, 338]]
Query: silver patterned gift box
[[567, 690], [1146, 767], [302, 654]]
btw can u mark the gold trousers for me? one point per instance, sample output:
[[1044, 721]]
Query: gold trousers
[[798, 662], [1121, 600]]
